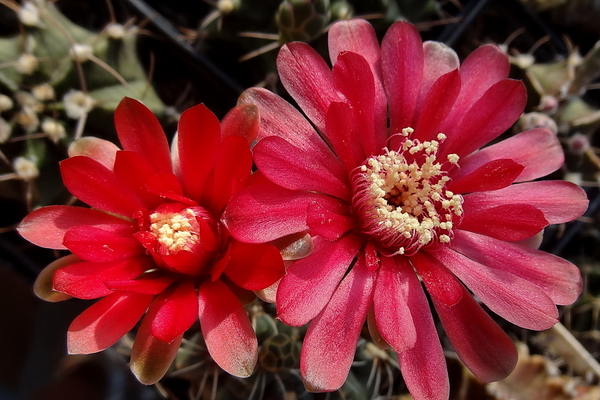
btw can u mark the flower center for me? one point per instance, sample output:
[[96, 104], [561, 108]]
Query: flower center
[[400, 197], [175, 231]]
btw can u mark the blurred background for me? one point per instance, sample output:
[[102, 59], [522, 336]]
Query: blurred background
[[65, 65]]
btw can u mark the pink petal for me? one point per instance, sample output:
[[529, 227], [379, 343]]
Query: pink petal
[[509, 222], [437, 105], [439, 59], [357, 36], [94, 244], [513, 298], [177, 310], [85, 280], [242, 120], [105, 322], [343, 135], [481, 344], [150, 356], [140, 131], [353, 78], [440, 282], [306, 77], [43, 285], [254, 266], [495, 112], [231, 171], [402, 63], [481, 69], [560, 201], [328, 223], [392, 315], [227, 330], [291, 168], [100, 150], [423, 366], [263, 212], [146, 284], [96, 185], [198, 140], [310, 282], [46, 227], [538, 150], [330, 342], [560, 279], [496, 174]]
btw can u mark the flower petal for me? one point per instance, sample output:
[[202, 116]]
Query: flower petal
[[227, 330], [439, 60], [105, 322], [328, 223], [479, 342], [392, 316], [292, 168], [95, 244], [150, 356], [496, 174], [402, 63], [43, 285], [242, 120], [311, 281], [254, 266], [177, 310], [85, 280], [146, 284], [560, 279], [306, 77], [198, 140], [423, 366], [357, 36], [96, 185], [560, 201], [140, 131], [440, 282], [46, 227], [513, 298], [538, 150], [330, 342], [98, 149]]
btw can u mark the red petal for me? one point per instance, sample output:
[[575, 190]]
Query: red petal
[[177, 310], [559, 201], [291, 168], [306, 77], [46, 227], [496, 174], [481, 344], [357, 36], [98, 149], [513, 298], [423, 366], [439, 60], [343, 134], [402, 63], [509, 222], [326, 354], [143, 284], [43, 285], [263, 212], [140, 131], [135, 172], [330, 224], [96, 185], [232, 168], [560, 279], [198, 142], [440, 282], [254, 266], [390, 305], [538, 150], [94, 244], [105, 322], [495, 112], [227, 330], [150, 356], [242, 120], [85, 280], [310, 282]]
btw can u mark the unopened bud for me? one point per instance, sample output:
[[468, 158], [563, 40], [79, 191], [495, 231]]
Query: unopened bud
[[578, 143]]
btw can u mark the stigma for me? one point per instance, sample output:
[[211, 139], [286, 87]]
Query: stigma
[[400, 197]]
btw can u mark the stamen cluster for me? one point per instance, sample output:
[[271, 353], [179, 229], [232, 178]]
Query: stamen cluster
[[175, 231]]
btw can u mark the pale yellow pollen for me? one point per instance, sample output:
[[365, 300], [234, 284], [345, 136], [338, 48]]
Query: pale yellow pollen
[[175, 231], [453, 158], [441, 137]]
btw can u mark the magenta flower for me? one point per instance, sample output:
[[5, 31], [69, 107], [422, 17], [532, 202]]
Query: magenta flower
[[153, 242], [391, 206]]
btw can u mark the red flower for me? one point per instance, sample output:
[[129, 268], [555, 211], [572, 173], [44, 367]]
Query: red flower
[[390, 206], [153, 242]]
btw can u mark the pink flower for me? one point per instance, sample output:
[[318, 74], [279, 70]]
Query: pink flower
[[153, 244], [391, 206]]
